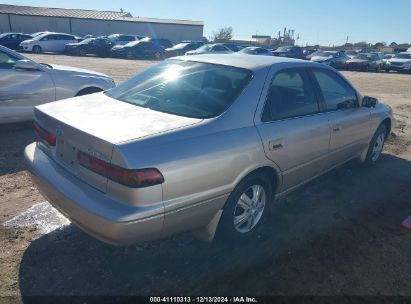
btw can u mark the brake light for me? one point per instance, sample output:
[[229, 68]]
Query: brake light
[[50, 138], [137, 178]]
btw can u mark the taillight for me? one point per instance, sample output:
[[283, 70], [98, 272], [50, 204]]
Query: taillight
[[50, 138], [137, 178]]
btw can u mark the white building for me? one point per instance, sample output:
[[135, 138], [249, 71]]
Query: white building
[[27, 19]]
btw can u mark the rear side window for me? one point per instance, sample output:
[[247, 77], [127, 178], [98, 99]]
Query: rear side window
[[126, 38], [184, 88], [290, 95], [336, 92]]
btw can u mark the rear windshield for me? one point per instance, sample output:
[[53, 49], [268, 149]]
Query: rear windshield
[[184, 88]]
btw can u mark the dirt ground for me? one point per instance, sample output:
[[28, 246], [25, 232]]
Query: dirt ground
[[338, 235]]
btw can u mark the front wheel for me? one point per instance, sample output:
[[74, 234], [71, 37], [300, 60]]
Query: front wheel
[[36, 49], [376, 145], [246, 208]]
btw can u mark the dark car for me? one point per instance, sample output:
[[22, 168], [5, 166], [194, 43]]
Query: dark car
[[159, 42], [289, 51], [97, 46], [139, 49], [182, 48], [365, 62], [13, 40]]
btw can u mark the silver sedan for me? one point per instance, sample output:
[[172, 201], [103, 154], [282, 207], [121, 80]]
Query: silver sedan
[[200, 144], [25, 84]]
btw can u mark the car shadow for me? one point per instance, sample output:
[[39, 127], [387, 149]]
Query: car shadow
[[338, 235], [14, 137]]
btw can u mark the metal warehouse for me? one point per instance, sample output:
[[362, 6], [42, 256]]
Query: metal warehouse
[[27, 19]]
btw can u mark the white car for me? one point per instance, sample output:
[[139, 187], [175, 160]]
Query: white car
[[25, 84], [400, 62], [48, 42], [217, 48]]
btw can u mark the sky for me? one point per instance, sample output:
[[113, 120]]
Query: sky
[[325, 22]]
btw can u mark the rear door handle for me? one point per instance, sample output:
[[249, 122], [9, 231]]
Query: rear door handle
[[275, 144]]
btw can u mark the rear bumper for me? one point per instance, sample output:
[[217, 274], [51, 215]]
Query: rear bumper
[[94, 212]]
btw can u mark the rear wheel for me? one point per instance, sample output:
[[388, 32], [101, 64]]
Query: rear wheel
[[37, 49], [376, 145], [158, 56], [246, 209], [82, 52]]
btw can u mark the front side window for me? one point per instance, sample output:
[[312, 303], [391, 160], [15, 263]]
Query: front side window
[[290, 95], [336, 92], [184, 88], [6, 61]]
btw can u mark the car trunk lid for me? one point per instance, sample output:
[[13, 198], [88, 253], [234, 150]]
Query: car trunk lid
[[94, 124]]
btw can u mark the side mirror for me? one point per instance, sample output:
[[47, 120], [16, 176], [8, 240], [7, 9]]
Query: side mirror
[[26, 65], [369, 102]]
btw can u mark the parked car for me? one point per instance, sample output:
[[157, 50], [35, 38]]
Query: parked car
[[181, 48], [97, 46], [25, 84], [400, 62], [201, 144], [48, 42], [385, 59], [335, 59], [365, 62], [122, 39], [214, 48], [138, 49], [289, 51], [13, 40], [255, 50]]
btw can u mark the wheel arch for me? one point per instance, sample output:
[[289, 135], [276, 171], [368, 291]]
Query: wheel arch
[[89, 90]]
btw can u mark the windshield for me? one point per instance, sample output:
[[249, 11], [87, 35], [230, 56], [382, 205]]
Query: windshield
[[363, 56], [184, 88], [85, 41], [283, 49], [248, 50], [180, 46], [351, 52], [403, 56], [388, 56], [205, 48], [132, 43]]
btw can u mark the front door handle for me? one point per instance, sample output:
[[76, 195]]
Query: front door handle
[[336, 128], [275, 144]]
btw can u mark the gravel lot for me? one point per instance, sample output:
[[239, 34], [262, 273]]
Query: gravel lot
[[338, 235]]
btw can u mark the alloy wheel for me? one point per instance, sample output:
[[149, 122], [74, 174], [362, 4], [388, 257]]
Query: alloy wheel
[[249, 208]]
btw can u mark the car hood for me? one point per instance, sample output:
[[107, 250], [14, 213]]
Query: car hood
[[63, 68], [357, 61], [112, 120], [320, 58], [400, 60]]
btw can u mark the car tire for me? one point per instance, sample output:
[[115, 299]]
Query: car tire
[[36, 49], [387, 70], [246, 209], [82, 52], [376, 145]]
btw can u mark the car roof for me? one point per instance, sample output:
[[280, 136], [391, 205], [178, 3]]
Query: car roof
[[244, 61]]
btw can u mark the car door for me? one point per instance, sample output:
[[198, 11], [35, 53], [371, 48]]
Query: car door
[[294, 131], [21, 90], [48, 43], [350, 123]]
